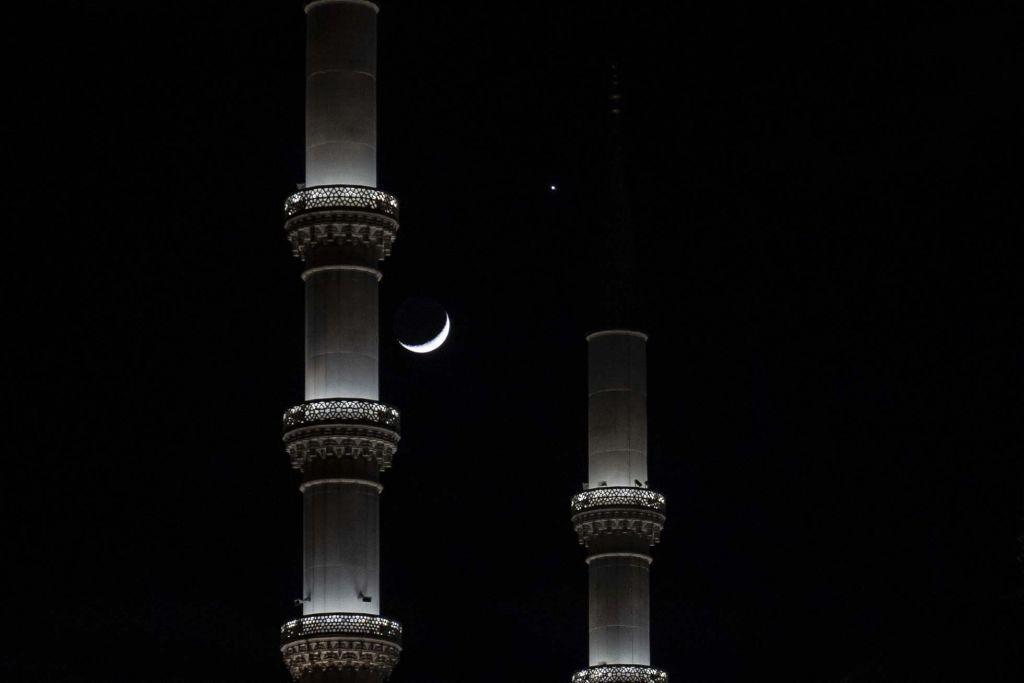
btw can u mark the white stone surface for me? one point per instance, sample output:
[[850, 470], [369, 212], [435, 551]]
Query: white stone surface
[[342, 336], [341, 516], [620, 610], [342, 548], [341, 94], [617, 409]]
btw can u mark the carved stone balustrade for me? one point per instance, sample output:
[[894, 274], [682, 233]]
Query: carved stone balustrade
[[620, 673], [618, 510]]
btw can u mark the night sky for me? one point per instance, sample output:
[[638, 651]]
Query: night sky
[[822, 198]]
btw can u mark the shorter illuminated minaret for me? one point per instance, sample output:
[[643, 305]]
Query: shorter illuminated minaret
[[617, 517]]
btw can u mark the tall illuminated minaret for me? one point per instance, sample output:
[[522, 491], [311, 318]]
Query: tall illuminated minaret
[[341, 437], [617, 517]]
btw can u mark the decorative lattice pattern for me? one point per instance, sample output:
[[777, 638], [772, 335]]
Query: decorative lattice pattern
[[357, 197], [618, 496], [341, 624], [342, 410], [620, 673]]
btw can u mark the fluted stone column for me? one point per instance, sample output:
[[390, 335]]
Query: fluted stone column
[[620, 608], [617, 408], [341, 541], [341, 149], [342, 338], [341, 92]]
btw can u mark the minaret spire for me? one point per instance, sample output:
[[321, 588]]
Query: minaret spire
[[619, 297], [341, 437], [618, 517]]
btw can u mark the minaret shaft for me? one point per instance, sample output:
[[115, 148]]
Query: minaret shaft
[[619, 566], [617, 408], [342, 337], [341, 541], [341, 93], [620, 609]]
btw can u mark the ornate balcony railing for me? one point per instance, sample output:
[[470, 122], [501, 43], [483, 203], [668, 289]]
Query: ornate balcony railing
[[342, 624], [355, 197], [618, 496], [342, 410], [620, 673]]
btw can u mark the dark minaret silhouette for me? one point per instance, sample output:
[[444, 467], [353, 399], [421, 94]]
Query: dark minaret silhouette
[[341, 437], [618, 248], [617, 517]]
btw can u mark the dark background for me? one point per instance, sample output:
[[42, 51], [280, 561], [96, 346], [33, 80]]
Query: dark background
[[822, 195]]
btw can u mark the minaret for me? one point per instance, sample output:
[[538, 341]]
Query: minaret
[[617, 517], [341, 437]]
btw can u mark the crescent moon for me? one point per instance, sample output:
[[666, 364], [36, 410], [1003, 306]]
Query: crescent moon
[[434, 343]]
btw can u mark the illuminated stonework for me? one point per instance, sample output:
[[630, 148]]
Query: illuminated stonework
[[342, 411], [341, 196], [342, 436], [322, 642], [368, 446], [618, 522], [339, 623], [341, 428], [618, 496], [620, 673], [618, 510], [341, 215]]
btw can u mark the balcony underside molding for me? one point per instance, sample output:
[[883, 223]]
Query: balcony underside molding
[[324, 642], [636, 522]]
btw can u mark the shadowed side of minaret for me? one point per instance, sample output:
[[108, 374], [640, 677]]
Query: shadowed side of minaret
[[341, 437], [618, 517]]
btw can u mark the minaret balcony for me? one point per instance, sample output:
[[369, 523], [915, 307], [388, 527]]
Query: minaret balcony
[[620, 673], [322, 642], [618, 496], [617, 511], [339, 215], [341, 428]]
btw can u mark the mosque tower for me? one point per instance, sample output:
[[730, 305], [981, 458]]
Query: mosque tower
[[618, 518], [341, 437]]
